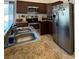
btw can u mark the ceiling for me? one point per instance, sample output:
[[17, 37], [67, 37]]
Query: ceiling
[[41, 1], [44, 1]]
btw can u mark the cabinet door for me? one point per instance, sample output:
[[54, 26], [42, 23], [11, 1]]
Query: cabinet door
[[43, 28], [50, 29], [46, 27]]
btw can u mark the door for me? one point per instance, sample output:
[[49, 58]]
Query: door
[[55, 17], [64, 28]]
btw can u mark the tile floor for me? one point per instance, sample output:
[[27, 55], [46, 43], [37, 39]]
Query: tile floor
[[45, 48]]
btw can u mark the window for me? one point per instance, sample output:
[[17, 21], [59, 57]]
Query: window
[[8, 16]]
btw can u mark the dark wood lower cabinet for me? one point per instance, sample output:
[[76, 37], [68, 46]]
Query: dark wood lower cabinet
[[43, 28], [46, 27], [50, 27]]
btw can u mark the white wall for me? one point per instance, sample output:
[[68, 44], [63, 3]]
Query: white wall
[[72, 1], [66, 1]]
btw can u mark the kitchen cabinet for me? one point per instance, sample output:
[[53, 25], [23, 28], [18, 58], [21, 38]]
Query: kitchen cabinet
[[43, 28], [46, 27], [22, 7], [42, 7], [50, 27]]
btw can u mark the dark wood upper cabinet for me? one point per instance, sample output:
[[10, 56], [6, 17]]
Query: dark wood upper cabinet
[[56, 3], [22, 6]]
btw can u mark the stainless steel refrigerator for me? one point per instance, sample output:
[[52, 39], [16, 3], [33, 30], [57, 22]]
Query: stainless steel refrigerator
[[63, 26]]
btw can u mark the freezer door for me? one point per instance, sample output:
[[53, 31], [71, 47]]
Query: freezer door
[[64, 24]]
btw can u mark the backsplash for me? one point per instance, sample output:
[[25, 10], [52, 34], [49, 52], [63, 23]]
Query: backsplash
[[24, 16]]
